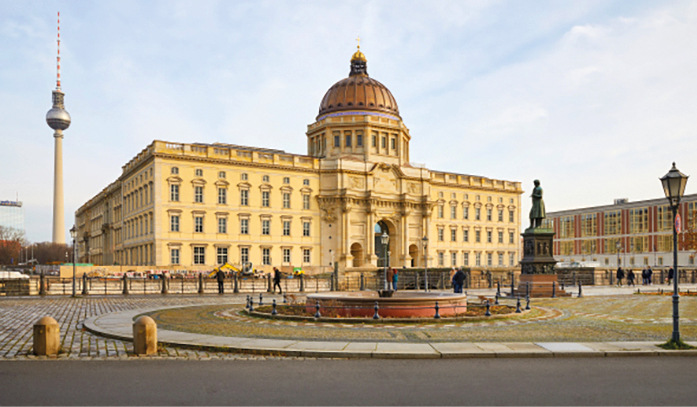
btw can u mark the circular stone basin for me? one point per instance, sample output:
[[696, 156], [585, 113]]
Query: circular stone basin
[[402, 304]]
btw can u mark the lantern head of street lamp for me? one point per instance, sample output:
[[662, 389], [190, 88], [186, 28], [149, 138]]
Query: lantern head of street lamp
[[73, 232], [385, 238], [674, 185], [425, 241]]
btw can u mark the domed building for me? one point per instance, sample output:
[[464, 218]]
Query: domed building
[[195, 206]]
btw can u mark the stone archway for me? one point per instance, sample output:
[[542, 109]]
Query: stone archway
[[357, 254], [414, 254], [392, 247]]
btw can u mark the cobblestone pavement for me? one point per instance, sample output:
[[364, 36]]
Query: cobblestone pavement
[[18, 315]]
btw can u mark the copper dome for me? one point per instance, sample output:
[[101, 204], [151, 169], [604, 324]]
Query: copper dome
[[358, 92]]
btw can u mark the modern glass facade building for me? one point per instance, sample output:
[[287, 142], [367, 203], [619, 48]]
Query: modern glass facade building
[[12, 215]]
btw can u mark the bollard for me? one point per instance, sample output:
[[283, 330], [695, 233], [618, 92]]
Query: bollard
[[273, 307], [246, 305], [269, 288], [46, 337], [125, 284], [512, 284], [164, 283], [251, 304], [85, 291], [376, 316], [580, 290], [362, 282], [200, 283], [42, 284], [496, 301], [517, 306], [261, 300], [554, 289], [489, 279], [527, 289], [302, 282], [236, 287], [317, 314], [527, 302], [437, 316], [144, 336], [331, 283], [284, 298], [487, 313], [498, 289]]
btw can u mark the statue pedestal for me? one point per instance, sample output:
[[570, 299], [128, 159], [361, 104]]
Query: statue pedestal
[[537, 277]]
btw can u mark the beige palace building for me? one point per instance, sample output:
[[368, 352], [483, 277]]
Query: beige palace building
[[199, 205]]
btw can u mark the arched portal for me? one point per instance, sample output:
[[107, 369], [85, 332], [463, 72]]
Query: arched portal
[[357, 254], [414, 254], [385, 253]]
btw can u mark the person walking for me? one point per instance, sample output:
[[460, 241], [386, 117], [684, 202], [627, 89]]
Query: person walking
[[458, 281], [220, 276], [388, 278], [395, 278], [630, 278], [649, 274], [671, 274], [620, 276], [277, 281]]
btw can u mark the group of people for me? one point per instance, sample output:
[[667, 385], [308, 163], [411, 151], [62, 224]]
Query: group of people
[[220, 277], [457, 278], [646, 276], [392, 277]]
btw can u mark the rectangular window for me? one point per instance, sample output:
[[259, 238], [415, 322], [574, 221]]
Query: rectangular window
[[306, 256], [440, 235], [306, 201], [265, 227], [500, 236], [465, 235], [198, 224], [222, 225], [466, 259], [174, 193], [199, 255], [266, 256], [221, 255], [222, 195], [174, 256], [511, 216], [488, 236], [221, 174], [306, 228], [286, 200], [453, 259], [244, 197], [477, 236], [286, 228], [589, 224], [244, 255], [478, 259], [359, 140], [337, 140], [375, 140], [244, 226], [440, 211], [466, 212], [441, 259], [265, 198], [348, 140], [477, 213], [511, 259], [501, 259], [500, 215], [174, 223], [393, 143], [453, 235], [286, 255], [198, 194], [453, 212], [488, 214], [489, 259], [511, 237]]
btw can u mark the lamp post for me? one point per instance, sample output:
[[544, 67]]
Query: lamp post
[[424, 240], [618, 246], [73, 235], [674, 187], [384, 239]]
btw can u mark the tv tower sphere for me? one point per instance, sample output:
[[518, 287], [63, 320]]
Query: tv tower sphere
[[58, 118]]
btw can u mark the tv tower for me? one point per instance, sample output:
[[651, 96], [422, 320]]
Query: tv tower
[[58, 119]]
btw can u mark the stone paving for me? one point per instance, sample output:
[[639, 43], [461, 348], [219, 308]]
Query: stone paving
[[642, 318]]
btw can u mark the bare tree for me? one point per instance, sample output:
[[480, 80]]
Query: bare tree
[[11, 242]]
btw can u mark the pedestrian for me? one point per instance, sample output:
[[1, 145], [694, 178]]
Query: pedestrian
[[458, 281], [277, 281], [630, 278], [644, 276], [649, 274], [671, 274], [220, 276], [389, 274], [395, 278], [620, 276]]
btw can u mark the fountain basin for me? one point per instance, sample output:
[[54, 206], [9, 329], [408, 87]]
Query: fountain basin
[[402, 304]]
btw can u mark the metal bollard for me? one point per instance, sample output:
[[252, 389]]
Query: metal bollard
[[273, 307], [317, 314], [554, 289], [437, 316], [496, 301], [517, 306], [251, 304], [527, 289], [376, 316], [269, 287], [144, 336], [236, 288], [512, 284], [580, 290], [302, 283], [46, 337], [247, 304], [498, 289], [200, 283], [527, 302], [331, 284], [125, 284], [85, 291], [362, 282], [487, 313], [164, 283], [42, 283], [261, 299]]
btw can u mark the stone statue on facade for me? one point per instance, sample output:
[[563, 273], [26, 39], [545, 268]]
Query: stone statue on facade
[[537, 212]]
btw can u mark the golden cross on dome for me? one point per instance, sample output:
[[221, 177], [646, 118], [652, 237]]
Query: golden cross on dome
[[358, 39]]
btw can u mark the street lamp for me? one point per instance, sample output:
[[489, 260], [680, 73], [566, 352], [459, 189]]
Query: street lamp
[[73, 235], [424, 240], [674, 188], [384, 239], [618, 246]]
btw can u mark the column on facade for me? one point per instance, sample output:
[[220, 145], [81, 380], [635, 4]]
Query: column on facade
[[405, 236], [346, 246]]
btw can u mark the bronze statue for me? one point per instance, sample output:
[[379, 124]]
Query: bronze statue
[[537, 212]]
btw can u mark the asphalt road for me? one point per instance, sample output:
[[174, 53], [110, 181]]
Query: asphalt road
[[542, 381]]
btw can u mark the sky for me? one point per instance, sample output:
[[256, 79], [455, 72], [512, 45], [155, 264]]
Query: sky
[[595, 99]]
